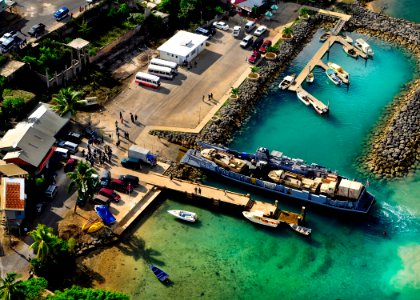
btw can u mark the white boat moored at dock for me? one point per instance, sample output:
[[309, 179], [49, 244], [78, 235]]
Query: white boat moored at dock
[[287, 81], [341, 73], [364, 47], [258, 217], [332, 75], [301, 229]]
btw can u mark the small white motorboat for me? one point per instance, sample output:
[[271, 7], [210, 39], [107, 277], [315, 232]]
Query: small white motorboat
[[350, 51], [347, 39], [303, 97], [344, 76], [258, 217], [310, 78], [287, 81], [332, 75], [184, 215], [364, 47], [325, 36], [301, 229]]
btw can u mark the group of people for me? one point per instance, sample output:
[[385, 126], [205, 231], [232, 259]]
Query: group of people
[[102, 156]]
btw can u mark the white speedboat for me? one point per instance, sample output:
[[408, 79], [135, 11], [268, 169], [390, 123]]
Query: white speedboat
[[301, 229], [184, 215], [258, 217], [344, 76], [303, 97], [350, 51], [287, 81], [347, 39], [325, 36], [310, 78], [332, 75], [364, 47]]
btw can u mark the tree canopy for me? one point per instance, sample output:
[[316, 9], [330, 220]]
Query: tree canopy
[[79, 293], [67, 100], [11, 288]]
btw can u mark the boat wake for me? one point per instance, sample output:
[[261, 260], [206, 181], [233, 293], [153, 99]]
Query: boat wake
[[397, 218]]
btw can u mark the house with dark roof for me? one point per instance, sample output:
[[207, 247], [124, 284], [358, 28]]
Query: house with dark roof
[[12, 200], [29, 144]]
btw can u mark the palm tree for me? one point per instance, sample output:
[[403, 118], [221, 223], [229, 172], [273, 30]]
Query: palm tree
[[83, 178], [84, 28], [66, 101], [255, 69], [10, 288], [44, 240], [287, 32]]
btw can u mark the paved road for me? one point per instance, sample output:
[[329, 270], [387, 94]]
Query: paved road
[[41, 11]]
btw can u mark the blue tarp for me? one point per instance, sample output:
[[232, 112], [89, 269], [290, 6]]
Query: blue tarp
[[104, 213]]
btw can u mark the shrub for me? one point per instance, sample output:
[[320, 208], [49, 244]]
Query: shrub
[[14, 105]]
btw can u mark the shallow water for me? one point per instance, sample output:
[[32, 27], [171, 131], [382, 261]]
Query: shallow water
[[404, 9], [225, 256]]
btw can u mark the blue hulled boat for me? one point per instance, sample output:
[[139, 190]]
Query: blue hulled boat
[[160, 274], [284, 176]]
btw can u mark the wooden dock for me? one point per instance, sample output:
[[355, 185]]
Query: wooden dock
[[198, 191]]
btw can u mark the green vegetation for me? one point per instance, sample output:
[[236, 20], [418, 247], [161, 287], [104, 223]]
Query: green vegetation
[[82, 178], [287, 32], [54, 256], [274, 48], [255, 69], [13, 106], [79, 293], [2, 86], [234, 91], [66, 101], [11, 288], [34, 288], [3, 59], [25, 95]]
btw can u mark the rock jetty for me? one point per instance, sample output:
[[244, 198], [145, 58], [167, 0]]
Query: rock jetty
[[394, 148]]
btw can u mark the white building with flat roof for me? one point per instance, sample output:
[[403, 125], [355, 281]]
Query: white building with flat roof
[[183, 46]]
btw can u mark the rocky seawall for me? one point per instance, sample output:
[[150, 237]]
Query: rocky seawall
[[393, 149], [231, 117]]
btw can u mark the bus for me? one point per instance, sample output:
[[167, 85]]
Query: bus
[[163, 72], [147, 80], [165, 63]]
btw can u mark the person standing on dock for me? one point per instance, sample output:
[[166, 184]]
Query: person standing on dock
[[199, 191]]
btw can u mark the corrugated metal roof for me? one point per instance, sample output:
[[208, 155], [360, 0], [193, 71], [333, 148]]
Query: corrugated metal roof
[[10, 170]]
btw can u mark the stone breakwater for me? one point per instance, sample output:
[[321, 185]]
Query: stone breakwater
[[398, 31], [394, 148], [231, 117]]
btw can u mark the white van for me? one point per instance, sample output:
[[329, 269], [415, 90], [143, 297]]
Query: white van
[[72, 147], [250, 25], [62, 153], [236, 31]]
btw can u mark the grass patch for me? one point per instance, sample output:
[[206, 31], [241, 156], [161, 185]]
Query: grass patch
[[25, 95]]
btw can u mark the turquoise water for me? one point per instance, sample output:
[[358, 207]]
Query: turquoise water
[[224, 256], [404, 9]]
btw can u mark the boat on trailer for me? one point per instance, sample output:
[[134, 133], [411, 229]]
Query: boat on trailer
[[287, 81], [364, 47], [184, 215], [341, 73], [332, 75], [301, 229], [297, 180]]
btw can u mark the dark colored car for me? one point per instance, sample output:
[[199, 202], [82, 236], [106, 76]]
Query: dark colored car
[[254, 57], [131, 163], [99, 199], [203, 31], [264, 46], [105, 178], [74, 137], [257, 44], [110, 194], [121, 186], [130, 179], [36, 29], [70, 165]]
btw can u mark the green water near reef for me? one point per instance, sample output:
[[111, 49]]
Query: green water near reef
[[224, 256]]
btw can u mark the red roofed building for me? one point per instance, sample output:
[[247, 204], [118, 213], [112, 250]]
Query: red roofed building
[[12, 199]]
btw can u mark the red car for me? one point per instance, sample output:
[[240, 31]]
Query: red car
[[254, 57], [120, 186], [70, 165], [264, 46], [110, 194]]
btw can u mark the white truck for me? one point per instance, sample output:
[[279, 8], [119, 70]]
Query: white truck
[[144, 155]]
